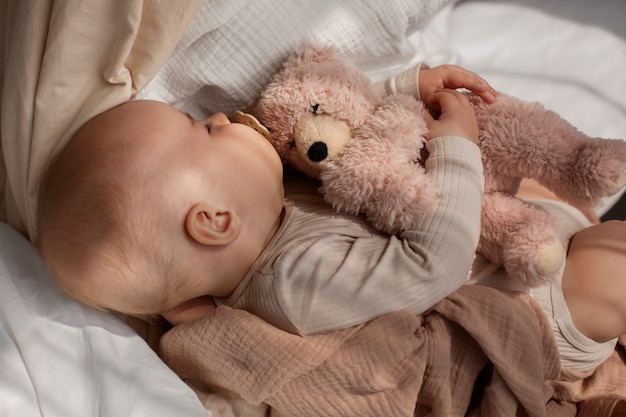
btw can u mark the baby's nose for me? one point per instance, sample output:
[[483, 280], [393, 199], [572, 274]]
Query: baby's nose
[[216, 119]]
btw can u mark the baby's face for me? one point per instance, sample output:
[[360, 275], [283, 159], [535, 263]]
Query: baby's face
[[210, 153], [178, 139]]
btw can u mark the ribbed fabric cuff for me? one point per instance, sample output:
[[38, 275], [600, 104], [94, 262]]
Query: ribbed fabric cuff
[[406, 82]]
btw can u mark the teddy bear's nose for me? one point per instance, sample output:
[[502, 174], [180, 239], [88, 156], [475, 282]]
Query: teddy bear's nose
[[317, 152]]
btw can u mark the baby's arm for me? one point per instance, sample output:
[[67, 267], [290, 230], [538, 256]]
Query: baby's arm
[[447, 237]]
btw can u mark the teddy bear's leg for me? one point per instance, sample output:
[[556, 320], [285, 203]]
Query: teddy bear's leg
[[523, 139], [597, 170], [522, 237]]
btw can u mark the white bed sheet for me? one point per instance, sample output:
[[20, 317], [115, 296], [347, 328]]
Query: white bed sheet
[[60, 359]]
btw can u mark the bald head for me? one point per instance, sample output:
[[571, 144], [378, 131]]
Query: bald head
[[146, 207], [93, 229]]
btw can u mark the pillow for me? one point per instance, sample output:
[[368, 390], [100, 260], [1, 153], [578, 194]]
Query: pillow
[[61, 358], [50, 88]]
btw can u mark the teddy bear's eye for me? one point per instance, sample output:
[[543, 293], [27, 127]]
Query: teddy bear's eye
[[315, 107]]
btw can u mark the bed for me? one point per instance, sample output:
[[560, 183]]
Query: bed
[[67, 61]]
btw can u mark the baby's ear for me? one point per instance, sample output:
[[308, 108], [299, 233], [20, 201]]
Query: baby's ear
[[208, 225]]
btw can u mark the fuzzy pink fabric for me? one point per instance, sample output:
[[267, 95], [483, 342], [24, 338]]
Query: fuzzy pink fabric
[[480, 352], [523, 139], [380, 172]]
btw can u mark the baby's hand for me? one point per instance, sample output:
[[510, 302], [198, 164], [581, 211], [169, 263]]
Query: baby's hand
[[435, 79], [456, 116]]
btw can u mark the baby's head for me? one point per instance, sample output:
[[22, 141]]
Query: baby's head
[[146, 208]]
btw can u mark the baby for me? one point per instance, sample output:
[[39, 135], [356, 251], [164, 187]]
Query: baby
[[146, 208], [147, 211]]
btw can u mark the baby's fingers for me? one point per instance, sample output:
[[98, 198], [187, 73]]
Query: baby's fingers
[[429, 120], [459, 77], [456, 116], [446, 100]]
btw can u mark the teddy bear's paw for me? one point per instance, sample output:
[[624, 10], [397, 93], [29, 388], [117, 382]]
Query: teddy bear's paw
[[619, 182], [608, 187], [601, 168], [539, 269], [596, 170], [550, 259]]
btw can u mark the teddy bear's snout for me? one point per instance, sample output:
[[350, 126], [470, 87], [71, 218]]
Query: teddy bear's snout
[[320, 137], [317, 152]]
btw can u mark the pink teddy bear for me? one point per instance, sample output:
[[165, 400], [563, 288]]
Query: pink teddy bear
[[326, 118]]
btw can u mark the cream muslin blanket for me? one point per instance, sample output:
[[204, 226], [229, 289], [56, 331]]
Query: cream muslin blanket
[[54, 82]]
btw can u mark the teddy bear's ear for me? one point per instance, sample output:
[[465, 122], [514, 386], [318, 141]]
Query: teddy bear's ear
[[314, 55]]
